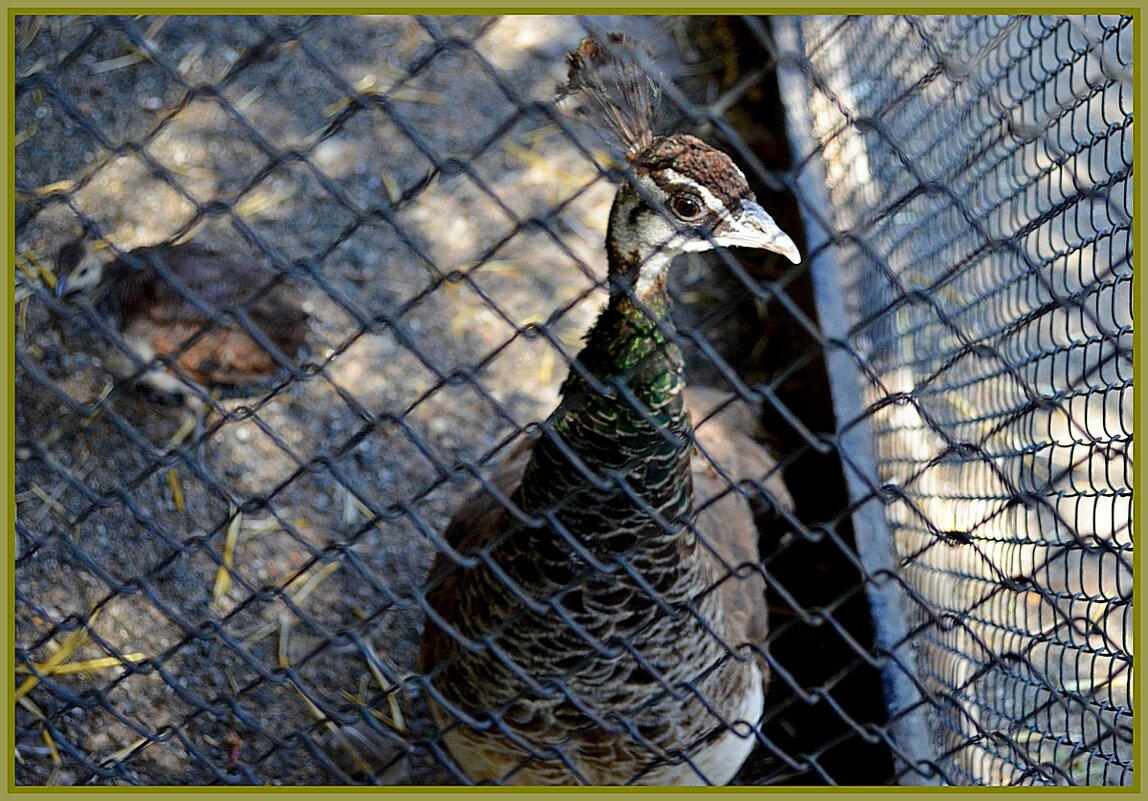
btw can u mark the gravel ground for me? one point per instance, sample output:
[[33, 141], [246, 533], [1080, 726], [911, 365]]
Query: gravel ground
[[425, 232]]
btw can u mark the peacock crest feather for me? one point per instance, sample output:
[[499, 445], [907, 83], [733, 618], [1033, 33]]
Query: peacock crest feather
[[614, 79]]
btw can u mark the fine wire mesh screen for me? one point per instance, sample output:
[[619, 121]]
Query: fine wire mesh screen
[[206, 601], [978, 185]]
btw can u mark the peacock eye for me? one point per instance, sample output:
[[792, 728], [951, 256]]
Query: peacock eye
[[686, 207]]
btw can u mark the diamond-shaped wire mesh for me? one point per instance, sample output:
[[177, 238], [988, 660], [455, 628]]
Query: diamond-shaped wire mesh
[[211, 610], [977, 180]]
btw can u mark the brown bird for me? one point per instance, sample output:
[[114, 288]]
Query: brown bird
[[598, 617], [181, 306]]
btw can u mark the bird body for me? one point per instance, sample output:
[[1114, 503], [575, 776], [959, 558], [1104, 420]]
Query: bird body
[[179, 304], [597, 614], [625, 726], [598, 619]]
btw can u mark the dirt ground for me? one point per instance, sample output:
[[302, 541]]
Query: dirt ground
[[432, 225]]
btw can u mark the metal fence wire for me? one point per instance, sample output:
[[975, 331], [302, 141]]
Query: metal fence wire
[[225, 584], [978, 177]]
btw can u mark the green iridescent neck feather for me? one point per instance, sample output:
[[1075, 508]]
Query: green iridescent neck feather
[[645, 444]]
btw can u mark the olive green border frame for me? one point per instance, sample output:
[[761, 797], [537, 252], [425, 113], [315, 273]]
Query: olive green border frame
[[348, 7]]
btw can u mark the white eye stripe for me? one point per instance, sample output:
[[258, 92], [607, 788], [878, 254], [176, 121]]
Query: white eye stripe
[[670, 183], [674, 181]]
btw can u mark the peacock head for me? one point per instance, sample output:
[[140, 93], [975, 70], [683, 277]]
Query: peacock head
[[79, 270], [681, 195]]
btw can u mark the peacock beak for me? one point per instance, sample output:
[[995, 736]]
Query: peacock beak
[[754, 228]]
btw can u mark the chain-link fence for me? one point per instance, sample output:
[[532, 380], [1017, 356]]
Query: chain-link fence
[[977, 179], [945, 381]]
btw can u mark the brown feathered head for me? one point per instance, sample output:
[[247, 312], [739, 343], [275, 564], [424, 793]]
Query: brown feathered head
[[79, 271]]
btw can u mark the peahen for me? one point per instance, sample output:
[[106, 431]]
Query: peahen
[[599, 617], [179, 304]]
